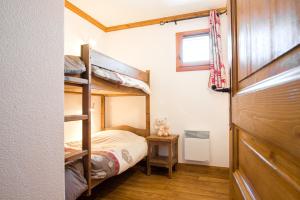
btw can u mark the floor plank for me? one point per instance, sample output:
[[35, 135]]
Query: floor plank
[[188, 183]]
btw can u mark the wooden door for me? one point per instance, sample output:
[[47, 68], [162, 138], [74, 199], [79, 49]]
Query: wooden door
[[265, 99]]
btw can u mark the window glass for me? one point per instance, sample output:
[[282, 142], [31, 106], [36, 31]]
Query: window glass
[[195, 49]]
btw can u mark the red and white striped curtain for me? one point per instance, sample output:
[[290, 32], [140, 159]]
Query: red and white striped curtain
[[217, 78]]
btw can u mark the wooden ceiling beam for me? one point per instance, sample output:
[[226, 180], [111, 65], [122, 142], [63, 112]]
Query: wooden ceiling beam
[[163, 20], [84, 15]]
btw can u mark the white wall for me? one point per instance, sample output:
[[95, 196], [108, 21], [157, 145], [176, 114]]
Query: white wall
[[182, 97], [73, 106], [126, 110], [31, 103], [78, 32]]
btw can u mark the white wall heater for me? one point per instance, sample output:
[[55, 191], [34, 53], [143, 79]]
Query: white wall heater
[[196, 145]]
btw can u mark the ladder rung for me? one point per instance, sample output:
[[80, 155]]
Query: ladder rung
[[75, 81], [69, 118], [72, 156]]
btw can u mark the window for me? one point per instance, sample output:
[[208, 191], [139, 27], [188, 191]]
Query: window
[[192, 50]]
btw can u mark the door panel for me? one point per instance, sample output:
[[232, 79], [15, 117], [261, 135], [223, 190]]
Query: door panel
[[285, 25], [266, 29], [243, 37], [263, 165], [265, 99], [283, 63], [260, 34], [272, 114]]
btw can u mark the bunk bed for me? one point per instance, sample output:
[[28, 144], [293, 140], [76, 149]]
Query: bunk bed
[[97, 74]]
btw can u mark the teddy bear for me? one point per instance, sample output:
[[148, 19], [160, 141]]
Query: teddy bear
[[161, 127]]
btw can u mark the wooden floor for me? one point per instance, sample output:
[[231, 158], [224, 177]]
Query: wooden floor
[[188, 183]]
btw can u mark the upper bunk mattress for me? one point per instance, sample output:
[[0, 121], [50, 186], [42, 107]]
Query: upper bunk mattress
[[74, 65], [113, 152], [120, 79]]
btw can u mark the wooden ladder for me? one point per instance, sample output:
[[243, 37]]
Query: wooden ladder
[[85, 117]]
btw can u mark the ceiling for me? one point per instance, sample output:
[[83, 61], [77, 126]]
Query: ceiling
[[116, 12]]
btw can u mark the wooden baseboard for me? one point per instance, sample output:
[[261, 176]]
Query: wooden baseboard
[[185, 165]]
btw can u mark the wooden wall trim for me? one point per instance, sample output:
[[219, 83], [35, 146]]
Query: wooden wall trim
[[87, 17], [84, 15], [203, 13], [187, 166]]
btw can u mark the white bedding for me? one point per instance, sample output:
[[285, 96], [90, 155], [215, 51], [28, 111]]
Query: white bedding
[[124, 146], [120, 79], [135, 83], [115, 141]]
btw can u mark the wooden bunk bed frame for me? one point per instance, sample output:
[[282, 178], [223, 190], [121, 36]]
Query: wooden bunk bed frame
[[92, 85]]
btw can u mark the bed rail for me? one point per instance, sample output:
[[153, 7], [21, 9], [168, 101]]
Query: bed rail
[[106, 62], [137, 131]]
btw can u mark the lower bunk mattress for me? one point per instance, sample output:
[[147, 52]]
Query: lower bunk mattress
[[113, 152]]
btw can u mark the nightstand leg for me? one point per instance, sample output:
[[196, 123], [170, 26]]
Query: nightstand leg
[[148, 170], [176, 155], [148, 166], [170, 159], [175, 167], [148, 158], [170, 172]]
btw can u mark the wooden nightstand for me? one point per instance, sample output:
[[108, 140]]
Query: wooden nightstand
[[154, 159]]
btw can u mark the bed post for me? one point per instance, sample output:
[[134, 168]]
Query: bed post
[[86, 110], [148, 107], [102, 113]]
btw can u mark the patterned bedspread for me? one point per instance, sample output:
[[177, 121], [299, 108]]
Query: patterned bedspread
[[113, 152]]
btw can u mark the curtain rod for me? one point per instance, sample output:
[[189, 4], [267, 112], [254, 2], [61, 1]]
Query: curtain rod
[[220, 12]]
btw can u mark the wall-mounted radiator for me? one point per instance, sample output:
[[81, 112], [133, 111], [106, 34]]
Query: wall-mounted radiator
[[196, 145]]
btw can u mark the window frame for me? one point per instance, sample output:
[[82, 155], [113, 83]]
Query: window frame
[[181, 67]]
